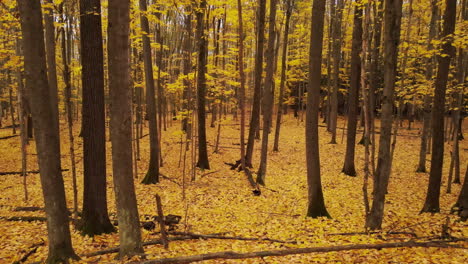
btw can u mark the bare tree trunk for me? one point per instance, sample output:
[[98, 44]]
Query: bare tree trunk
[[51, 62], [152, 176], [448, 51], [47, 136], [336, 67], [121, 136], [255, 117], [316, 204], [392, 17], [12, 109], [203, 162], [289, 7], [268, 94], [427, 97], [95, 218], [353, 100], [68, 106], [462, 203]]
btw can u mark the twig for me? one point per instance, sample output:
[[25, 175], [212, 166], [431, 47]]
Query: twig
[[208, 173], [367, 233], [294, 251], [32, 251], [20, 172]]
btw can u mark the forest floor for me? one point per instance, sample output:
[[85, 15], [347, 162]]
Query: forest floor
[[220, 200]]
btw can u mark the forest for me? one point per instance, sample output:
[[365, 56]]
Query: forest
[[224, 131]]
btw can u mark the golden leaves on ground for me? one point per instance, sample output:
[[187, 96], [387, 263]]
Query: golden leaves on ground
[[222, 201]]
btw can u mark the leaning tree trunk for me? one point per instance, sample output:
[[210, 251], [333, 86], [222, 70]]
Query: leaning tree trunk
[[289, 7], [392, 18], [448, 51], [203, 162], [152, 176], [268, 94], [95, 218], [427, 97], [316, 206], [46, 133], [353, 99], [120, 125]]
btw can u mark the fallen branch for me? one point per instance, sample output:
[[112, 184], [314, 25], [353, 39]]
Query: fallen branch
[[20, 172], [32, 251], [367, 233], [24, 218], [294, 251], [7, 137], [216, 236], [185, 236], [208, 173]]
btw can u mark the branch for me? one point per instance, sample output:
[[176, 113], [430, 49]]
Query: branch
[[293, 251], [20, 172]]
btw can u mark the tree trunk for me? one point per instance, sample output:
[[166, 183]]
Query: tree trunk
[[51, 62], [289, 7], [152, 176], [203, 162], [316, 206], [255, 116], [462, 202], [268, 93], [353, 100], [336, 55], [448, 51], [47, 135], [427, 97], [392, 25], [95, 218], [120, 124]]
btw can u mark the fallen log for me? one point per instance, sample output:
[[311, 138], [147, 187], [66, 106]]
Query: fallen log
[[20, 172], [24, 218], [185, 236], [7, 137], [295, 251]]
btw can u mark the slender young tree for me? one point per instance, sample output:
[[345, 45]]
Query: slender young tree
[[289, 8], [431, 204], [152, 176], [353, 99], [255, 117], [203, 162], [268, 93], [46, 133], [336, 55], [316, 207], [427, 97], [242, 82], [95, 218], [120, 125], [392, 25]]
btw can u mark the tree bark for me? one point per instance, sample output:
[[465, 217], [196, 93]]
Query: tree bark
[[448, 51], [202, 162], [255, 116], [95, 218], [427, 97], [120, 125], [289, 7], [392, 25], [268, 93], [152, 176], [46, 133], [51, 62], [353, 99], [316, 207]]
